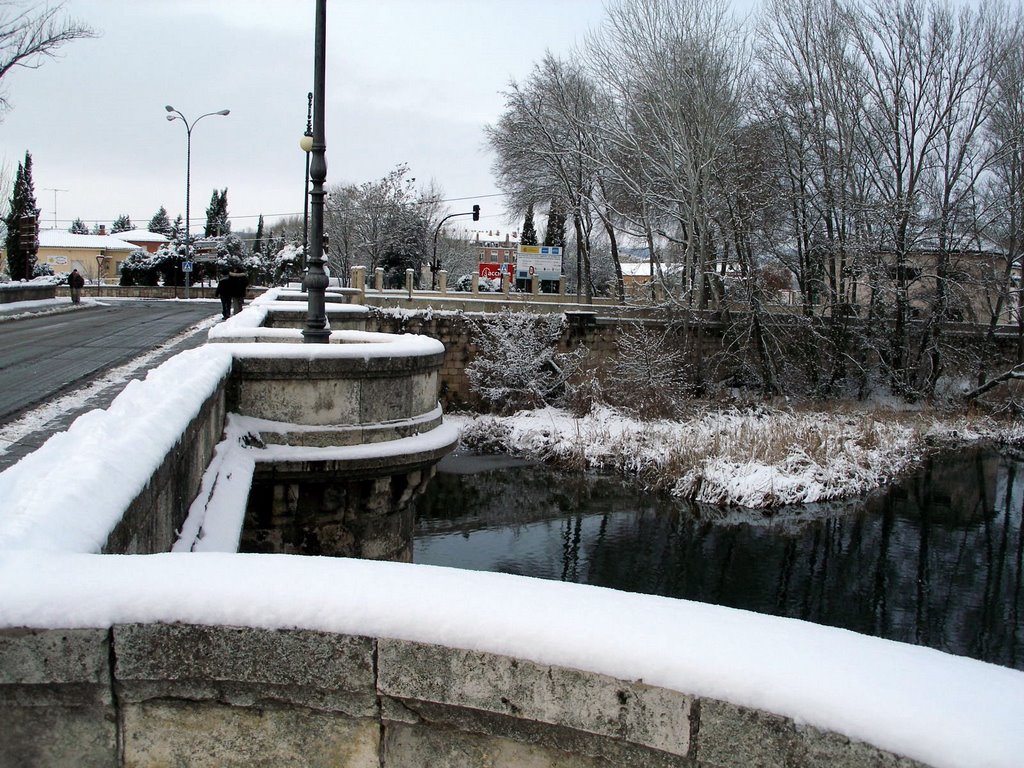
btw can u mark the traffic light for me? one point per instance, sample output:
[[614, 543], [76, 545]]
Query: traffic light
[[476, 213]]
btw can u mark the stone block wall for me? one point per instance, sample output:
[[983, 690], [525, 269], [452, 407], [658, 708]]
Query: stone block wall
[[583, 328], [26, 292], [141, 695]]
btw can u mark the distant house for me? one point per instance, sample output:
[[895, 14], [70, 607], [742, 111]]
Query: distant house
[[143, 238], [94, 256]]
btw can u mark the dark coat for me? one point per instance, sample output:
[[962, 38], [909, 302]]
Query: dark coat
[[238, 283], [75, 280]]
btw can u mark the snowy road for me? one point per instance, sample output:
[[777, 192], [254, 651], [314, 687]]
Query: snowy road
[[54, 367]]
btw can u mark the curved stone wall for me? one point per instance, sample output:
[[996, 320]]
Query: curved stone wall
[[158, 694], [338, 391]]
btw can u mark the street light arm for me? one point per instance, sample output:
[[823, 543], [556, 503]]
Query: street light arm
[[174, 114], [434, 265]]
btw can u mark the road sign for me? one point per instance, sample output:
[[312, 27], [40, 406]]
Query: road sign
[[545, 261], [186, 266]]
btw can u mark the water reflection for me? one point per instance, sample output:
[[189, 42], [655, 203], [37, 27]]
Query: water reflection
[[935, 561]]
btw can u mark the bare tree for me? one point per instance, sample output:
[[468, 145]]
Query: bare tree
[[544, 143], [675, 71], [927, 84], [30, 34], [1003, 220]]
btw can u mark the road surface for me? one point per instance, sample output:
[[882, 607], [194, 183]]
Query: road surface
[[44, 356]]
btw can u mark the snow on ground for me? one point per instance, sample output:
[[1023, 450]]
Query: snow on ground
[[17, 310], [755, 458], [943, 710]]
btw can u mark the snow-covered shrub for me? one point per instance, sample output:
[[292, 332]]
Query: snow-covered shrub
[[140, 268], [647, 376], [42, 269], [288, 264], [486, 285], [487, 435], [517, 363]]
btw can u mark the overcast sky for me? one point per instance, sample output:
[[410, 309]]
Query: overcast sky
[[407, 81]]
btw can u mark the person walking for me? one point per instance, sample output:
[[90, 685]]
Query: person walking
[[239, 285], [75, 284], [224, 293]]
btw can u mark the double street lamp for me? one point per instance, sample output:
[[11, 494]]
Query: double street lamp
[[176, 115]]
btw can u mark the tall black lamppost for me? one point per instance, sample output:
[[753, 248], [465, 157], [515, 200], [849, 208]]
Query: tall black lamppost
[[315, 281], [176, 115], [306, 144]]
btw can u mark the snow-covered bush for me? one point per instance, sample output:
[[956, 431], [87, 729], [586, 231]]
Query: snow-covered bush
[[288, 264], [42, 269], [517, 363], [140, 268], [647, 375], [487, 435], [487, 284]]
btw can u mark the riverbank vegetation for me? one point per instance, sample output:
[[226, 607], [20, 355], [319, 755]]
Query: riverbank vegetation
[[758, 457], [635, 412]]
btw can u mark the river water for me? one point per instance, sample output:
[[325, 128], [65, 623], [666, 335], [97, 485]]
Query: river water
[[934, 560]]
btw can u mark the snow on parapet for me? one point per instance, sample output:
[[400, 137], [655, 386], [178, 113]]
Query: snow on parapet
[[70, 493], [944, 710]]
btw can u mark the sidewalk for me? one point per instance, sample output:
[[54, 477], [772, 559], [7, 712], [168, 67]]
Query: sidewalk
[[19, 309]]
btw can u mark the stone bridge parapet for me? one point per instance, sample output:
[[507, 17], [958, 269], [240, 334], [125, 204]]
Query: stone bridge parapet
[[157, 694]]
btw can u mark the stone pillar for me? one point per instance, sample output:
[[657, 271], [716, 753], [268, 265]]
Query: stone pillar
[[534, 284], [442, 281], [359, 283], [378, 279], [476, 283], [410, 278], [561, 285], [506, 284]]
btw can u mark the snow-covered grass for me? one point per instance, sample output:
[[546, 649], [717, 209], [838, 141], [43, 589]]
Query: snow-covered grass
[[757, 457]]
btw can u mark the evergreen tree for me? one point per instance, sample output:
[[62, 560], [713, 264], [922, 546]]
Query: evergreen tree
[[555, 232], [122, 223], [529, 234], [96, 229], [217, 214], [161, 223], [257, 244], [78, 227], [21, 255], [177, 228]]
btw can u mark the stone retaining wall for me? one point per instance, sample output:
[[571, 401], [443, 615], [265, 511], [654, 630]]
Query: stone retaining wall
[[12, 292], [157, 694], [455, 330]]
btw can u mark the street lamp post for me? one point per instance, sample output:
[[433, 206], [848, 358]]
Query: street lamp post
[[435, 265], [176, 115], [315, 280], [306, 144]]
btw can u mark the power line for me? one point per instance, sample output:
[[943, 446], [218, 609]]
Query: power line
[[238, 217]]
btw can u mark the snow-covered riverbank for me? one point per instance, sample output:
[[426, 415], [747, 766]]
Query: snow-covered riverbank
[[757, 458]]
